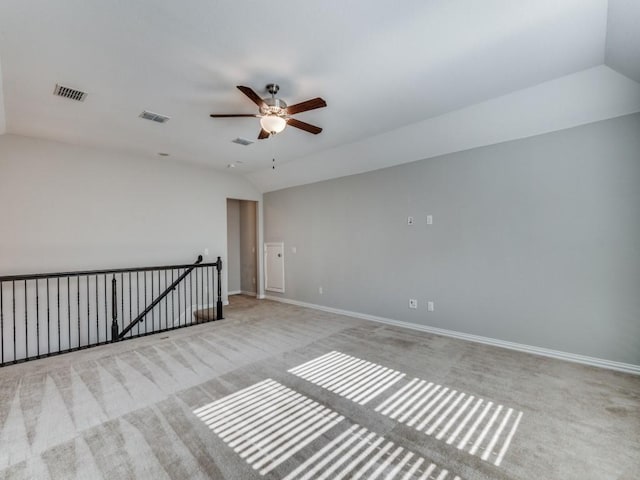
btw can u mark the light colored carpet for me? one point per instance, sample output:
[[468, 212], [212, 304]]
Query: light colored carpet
[[189, 404]]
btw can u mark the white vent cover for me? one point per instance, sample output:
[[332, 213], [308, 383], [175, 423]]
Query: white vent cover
[[242, 141], [70, 93], [154, 117]]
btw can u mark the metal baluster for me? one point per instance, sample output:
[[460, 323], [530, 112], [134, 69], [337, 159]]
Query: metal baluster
[[13, 294], [97, 314], [2, 323], [58, 316], [207, 271], [166, 302], [213, 293], [37, 321], [138, 298], [122, 298], [159, 304], [79, 338], [201, 287], [173, 300], [88, 314], [186, 302], [145, 301], [48, 322], [130, 308], [179, 306], [69, 312], [153, 314], [197, 306], [106, 313], [26, 323], [191, 297]]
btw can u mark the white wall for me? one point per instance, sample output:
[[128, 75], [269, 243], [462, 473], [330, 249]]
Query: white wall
[[3, 121], [64, 207]]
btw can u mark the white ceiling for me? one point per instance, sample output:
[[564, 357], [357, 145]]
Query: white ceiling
[[381, 68]]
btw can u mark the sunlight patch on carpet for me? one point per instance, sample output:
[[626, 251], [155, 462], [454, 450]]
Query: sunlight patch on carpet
[[267, 423]]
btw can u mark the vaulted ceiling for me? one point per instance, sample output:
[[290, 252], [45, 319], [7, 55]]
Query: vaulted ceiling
[[403, 81]]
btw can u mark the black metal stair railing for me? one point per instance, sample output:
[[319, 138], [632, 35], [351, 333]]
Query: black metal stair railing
[[51, 313]]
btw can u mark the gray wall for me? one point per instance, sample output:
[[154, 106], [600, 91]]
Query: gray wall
[[535, 241], [233, 245], [248, 238]]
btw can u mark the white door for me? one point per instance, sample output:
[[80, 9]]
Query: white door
[[274, 267]]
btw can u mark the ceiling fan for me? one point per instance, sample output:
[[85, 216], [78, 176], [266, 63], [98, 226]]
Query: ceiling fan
[[274, 114]]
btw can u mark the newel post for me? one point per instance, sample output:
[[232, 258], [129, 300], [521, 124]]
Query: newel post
[[219, 315], [114, 310]]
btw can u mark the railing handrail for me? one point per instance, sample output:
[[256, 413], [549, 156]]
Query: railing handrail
[[158, 299], [83, 273]]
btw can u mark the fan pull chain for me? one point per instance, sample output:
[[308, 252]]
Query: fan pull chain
[[273, 152]]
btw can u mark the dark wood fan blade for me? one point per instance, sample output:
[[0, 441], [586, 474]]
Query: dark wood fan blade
[[304, 126], [305, 106], [230, 115], [255, 98], [263, 134]]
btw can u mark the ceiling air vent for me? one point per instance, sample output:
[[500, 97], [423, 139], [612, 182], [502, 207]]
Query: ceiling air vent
[[242, 141], [67, 92], [154, 117]]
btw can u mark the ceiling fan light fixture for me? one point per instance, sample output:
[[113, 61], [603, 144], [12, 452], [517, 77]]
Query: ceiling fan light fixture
[[273, 123]]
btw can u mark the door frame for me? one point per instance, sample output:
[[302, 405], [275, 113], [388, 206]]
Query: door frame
[[266, 270], [259, 251]]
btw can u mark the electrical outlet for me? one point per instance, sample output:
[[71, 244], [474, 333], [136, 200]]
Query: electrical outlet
[[410, 221], [430, 306], [320, 291], [294, 250], [413, 303], [206, 251], [253, 280], [429, 219]]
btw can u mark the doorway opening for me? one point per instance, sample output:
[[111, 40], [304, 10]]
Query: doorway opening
[[242, 252]]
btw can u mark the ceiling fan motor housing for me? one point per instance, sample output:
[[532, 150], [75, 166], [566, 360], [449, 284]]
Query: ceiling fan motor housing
[[275, 106]]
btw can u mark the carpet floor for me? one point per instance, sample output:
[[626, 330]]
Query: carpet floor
[[277, 391]]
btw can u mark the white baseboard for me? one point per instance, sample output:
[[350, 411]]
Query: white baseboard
[[242, 292], [545, 352]]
